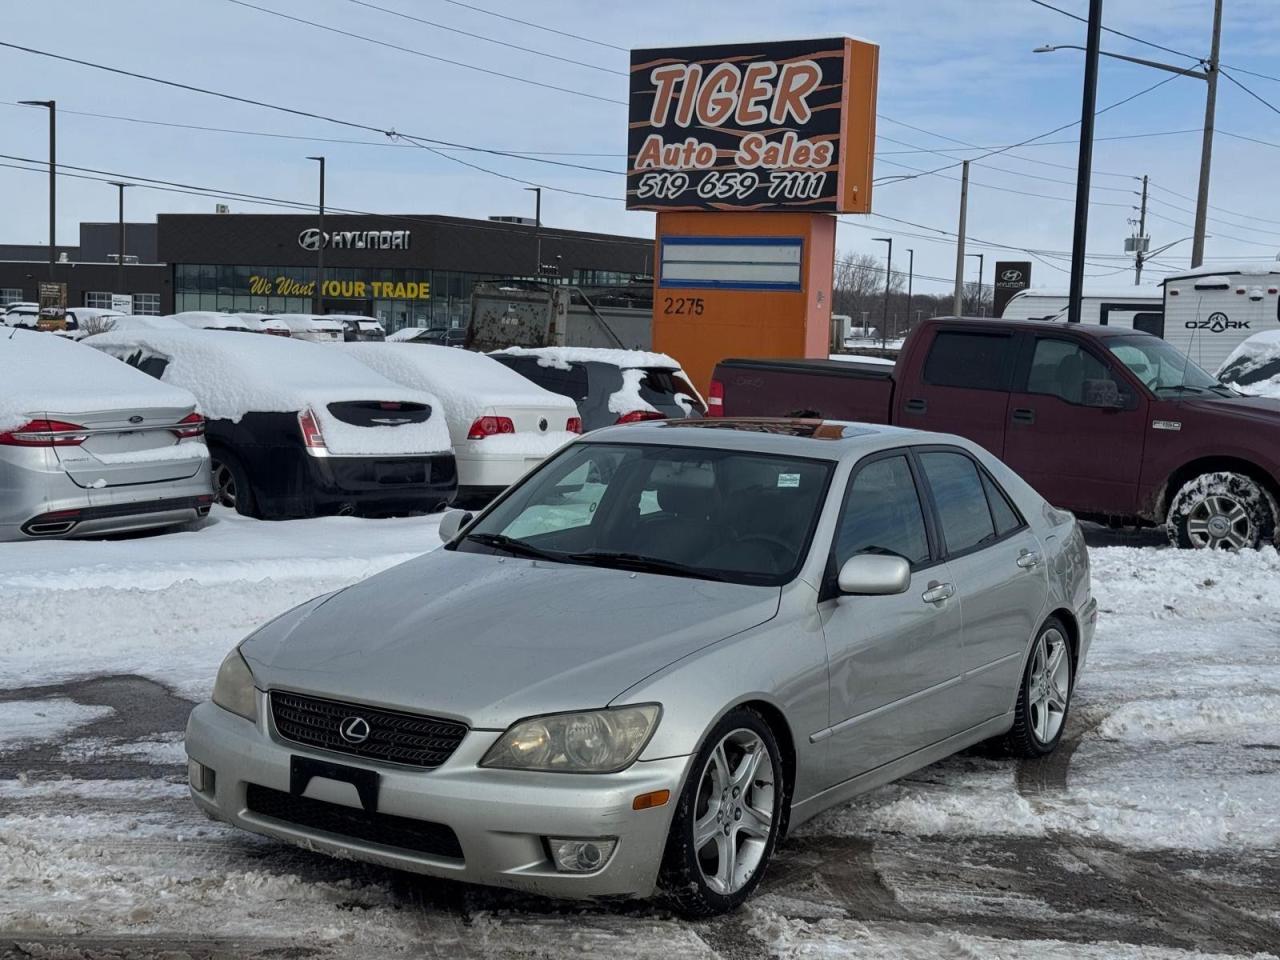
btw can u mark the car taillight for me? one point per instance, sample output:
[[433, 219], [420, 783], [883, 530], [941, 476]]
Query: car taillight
[[715, 399], [272, 331], [45, 433], [192, 425], [312, 438], [635, 416], [574, 425], [490, 426]]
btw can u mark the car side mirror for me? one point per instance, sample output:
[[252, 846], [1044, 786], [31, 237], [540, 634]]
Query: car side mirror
[[1104, 393], [452, 522], [874, 575]]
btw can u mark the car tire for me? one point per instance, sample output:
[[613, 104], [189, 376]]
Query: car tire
[[729, 802], [1221, 510], [1044, 694], [231, 487]]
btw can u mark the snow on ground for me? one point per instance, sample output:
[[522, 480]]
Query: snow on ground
[[1148, 834]]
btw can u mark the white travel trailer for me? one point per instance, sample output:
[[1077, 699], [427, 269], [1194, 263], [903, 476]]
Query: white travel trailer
[[1141, 308], [1209, 311]]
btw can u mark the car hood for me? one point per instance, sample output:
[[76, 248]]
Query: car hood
[[1263, 409], [490, 640]]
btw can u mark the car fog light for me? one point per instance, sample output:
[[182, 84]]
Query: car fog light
[[200, 776], [581, 856]]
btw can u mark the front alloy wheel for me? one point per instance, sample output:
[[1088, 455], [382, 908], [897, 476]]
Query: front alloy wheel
[[727, 821]]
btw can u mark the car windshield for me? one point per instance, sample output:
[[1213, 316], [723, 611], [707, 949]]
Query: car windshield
[[1162, 367], [742, 517]]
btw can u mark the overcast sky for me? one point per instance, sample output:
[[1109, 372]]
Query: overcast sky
[[961, 69]]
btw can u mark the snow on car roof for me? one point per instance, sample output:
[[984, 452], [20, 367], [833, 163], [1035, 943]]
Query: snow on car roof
[[309, 321], [232, 375], [210, 320], [406, 333], [42, 374], [563, 356], [467, 383]]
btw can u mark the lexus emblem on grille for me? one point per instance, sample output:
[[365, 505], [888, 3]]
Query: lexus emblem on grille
[[354, 729]]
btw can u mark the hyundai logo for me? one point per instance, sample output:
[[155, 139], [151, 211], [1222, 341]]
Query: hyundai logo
[[1011, 276], [354, 729], [309, 239]]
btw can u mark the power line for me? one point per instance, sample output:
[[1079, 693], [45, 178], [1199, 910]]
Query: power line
[[1042, 143], [1262, 100], [1183, 196], [392, 133], [536, 26], [423, 54], [1226, 223], [487, 39], [991, 186], [1216, 233], [1119, 33]]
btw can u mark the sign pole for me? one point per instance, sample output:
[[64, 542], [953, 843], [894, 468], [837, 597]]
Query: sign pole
[[1088, 105], [957, 300]]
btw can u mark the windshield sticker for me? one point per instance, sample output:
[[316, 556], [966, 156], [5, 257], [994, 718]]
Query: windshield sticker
[[788, 479]]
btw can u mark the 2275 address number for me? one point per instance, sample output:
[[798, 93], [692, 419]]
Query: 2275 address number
[[674, 306]]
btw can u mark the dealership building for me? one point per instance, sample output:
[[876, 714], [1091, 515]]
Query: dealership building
[[406, 270]]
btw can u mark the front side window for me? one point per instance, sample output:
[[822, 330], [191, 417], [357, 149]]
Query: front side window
[[1064, 369], [1162, 367], [979, 361], [960, 499], [882, 514], [711, 514]]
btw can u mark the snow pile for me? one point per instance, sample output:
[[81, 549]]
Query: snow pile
[[1207, 719], [561, 357], [26, 720], [45, 375], [234, 375], [470, 385]]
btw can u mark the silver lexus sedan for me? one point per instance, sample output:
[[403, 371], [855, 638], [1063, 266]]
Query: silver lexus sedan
[[652, 656]]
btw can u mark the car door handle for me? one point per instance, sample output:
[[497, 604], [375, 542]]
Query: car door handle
[[937, 592], [916, 405], [1026, 560], [1024, 415]]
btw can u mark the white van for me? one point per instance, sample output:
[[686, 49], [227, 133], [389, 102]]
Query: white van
[[1141, 308], [1209, 311]]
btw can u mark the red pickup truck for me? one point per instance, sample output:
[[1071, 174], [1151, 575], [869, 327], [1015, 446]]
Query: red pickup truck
[[1113, 424]]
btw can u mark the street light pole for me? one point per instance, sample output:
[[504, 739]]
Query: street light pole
[[318, 296], [120, 286], [888, 287], [982, 265], [52, 106], [1088, 106], [537, 230], [1206, 143], [911, 271], [957, 302]]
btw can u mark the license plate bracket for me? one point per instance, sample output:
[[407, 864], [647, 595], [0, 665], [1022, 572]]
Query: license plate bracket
[[302, 769]]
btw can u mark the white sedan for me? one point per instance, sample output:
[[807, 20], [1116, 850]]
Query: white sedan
[[501, 425]]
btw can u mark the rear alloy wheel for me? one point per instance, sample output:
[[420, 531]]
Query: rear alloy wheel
[[1045, 694], [1221, 511], [230, 483], [726, 824]]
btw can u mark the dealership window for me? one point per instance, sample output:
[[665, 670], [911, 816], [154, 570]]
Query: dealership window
[[10, 295], [98, 299], [146, 304]]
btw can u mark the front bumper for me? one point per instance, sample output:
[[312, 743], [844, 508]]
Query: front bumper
[[500, 817]]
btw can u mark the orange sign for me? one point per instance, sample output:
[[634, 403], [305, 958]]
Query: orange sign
[[787, 125]]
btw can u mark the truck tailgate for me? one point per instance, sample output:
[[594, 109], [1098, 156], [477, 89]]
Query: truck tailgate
[[830, 389]]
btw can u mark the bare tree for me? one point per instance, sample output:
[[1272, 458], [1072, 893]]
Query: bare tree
[[96, 323], [977, 300]]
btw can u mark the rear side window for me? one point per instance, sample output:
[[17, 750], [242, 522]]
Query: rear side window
[[980, 361], [571, 383], [1002, 510], [961, 500], [666, 384], [882, 514]]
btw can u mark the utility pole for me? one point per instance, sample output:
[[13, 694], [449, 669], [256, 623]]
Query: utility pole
[[911, 271], [1084, 168], [537, 230], [52, 106], [957, 306], [1142, 232], [120, 286], [888, 287], [318, 295], [1206, 144]]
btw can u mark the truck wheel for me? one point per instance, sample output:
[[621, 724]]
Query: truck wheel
[[1223, 511]]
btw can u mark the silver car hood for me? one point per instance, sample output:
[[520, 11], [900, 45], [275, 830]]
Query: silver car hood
[[489, 641]]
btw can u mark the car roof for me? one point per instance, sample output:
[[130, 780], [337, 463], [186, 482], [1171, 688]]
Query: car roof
[[1058, 326], [815, 439]]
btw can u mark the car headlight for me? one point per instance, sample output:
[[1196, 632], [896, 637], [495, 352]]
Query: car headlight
[[233, 689], [597, 741]]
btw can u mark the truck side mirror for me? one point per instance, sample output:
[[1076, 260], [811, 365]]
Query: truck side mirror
[[452, 522], [1104, 394]]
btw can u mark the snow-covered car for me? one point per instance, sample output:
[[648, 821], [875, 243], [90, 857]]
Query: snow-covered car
[[1253, 367], [22, 314], [653, 656], [314, 327], [296, 430], [143, 322], [501, 425], [609, 386], [266, 323], [211, 320], [407, 333], [90, 447], [357, 329]]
